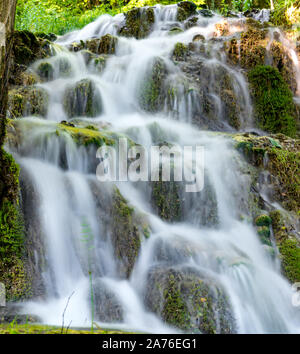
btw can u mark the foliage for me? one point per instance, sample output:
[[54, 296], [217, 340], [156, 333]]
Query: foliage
[[273, 101], [286, 12]]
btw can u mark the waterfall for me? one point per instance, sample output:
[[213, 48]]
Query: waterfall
[[211, 241]]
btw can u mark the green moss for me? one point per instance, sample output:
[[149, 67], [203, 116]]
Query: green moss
[[12, 272], [125, 234], [151, 93], [87, 136], [185, 10], [263, 220], [139, 22], [288, 245], [166, 200], [273, 101], [27, 101], [290, 253], [46, 71], [83, 99], [253, 47], [180, 52], [286, 165], [175, 311], [175, 30]]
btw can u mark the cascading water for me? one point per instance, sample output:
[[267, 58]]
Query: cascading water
[[209, 242]]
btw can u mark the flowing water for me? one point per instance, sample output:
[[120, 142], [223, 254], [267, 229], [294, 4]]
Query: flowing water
[[226, 250]]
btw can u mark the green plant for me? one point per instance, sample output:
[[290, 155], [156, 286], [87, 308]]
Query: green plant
[[275, 109]]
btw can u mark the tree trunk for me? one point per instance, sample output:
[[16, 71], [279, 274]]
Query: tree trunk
[[7, 22]]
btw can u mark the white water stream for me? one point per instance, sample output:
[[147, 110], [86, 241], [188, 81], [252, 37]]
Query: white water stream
[[230, 252]]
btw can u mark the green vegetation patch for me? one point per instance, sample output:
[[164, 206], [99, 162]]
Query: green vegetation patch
[[275, 110]]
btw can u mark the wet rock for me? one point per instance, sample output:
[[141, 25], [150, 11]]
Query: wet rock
[[273, 101], [11, 313], [287, 240], [206, 13], [187, 300], [283, 62], [46, 71], [107, 306], [125, 236], [191, 22], [104, 45], [27, 101], [83, 99], [198, 38], [175, 30], [185, 10], [138, 23], [27, 48], [180, 52], [151, 93]]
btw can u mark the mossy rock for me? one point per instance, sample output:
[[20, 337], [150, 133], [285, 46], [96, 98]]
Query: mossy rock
[[263, 220], [27, 48], [12, 271], [138, 23], [186, 300], [185, 10], [288, 245], [180, 52], [253, 47], [273, 101], [284, 63], [27, 101], [125, 236], [280, 155], [83, 99], [105, 45], [174, 31], [151, 93], [46, 71]]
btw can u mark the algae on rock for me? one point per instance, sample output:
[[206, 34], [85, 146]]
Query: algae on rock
[[83, 99]]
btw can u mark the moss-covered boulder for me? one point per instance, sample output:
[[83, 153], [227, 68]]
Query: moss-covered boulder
[[45, 71], [106, 304], [253, 47], [288, 245], [280, 155], [83, 99], [166, 200], [27, 101], [180, 52], [27, 48], [125, 235], [283, 62], [138, 23], [151, 91], [185, 9], [186, 300], [105, 45], [12, 271], [175, 30], [273, 101]]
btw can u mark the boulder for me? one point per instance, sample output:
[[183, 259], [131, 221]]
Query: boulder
[[83, 99]]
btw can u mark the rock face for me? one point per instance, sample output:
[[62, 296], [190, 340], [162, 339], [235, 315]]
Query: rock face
[[278, 155], [125, 234], [138, 23], [107, 306], [27, 101], [104, 45], [185, 299], [83, 99], [185, 10], [152, 91], [274, 106]]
